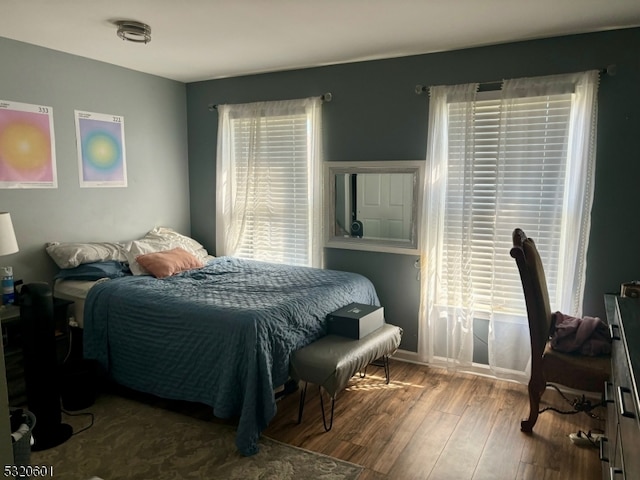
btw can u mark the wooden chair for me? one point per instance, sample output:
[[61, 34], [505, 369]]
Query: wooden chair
[[548, 366]]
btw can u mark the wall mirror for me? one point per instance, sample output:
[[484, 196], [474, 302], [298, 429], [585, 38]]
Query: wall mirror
[[373, 205]]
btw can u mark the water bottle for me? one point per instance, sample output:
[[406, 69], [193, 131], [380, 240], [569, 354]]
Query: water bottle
[[7, 285]]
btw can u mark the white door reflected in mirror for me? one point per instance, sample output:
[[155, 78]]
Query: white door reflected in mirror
[[384, 204], [373, 205]]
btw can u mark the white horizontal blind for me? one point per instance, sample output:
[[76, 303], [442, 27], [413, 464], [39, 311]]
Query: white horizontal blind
[[516, 179], [271, 169]]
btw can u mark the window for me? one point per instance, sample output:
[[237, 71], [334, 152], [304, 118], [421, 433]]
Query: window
[[268, 182], [521, 157], [516, 179]]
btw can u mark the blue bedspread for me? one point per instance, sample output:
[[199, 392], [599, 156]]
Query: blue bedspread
[[220, 335]]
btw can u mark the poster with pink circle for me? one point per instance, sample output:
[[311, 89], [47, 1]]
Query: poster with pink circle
[[27, 146]]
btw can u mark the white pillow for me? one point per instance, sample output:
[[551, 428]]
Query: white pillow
[[173, 237], [70, 255], [142, 247], [161, 239]]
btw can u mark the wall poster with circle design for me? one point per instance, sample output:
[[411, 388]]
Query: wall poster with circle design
[[27, 146], [101, 152]]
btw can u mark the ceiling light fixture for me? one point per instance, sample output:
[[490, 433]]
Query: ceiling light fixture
[[133, 31]]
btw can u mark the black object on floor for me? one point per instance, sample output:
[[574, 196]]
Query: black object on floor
[[78, 384], [41, 366]]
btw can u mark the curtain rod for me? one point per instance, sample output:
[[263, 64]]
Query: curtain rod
[[496, 85], [327, 97]]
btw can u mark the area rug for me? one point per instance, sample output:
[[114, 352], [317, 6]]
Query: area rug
[[133, 440]]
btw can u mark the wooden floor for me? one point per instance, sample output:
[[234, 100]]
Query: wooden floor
[[431, 424]]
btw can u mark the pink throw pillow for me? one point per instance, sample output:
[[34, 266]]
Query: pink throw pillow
[[169, 262]]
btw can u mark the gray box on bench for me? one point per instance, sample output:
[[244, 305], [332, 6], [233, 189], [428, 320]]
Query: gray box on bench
[[355, 320]]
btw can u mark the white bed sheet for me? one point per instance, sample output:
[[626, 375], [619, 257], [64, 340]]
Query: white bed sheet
[[76, 291]]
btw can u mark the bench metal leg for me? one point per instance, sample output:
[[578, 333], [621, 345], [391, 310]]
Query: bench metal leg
[[303, 393], [383, 363], [324, 420], [387, 373]]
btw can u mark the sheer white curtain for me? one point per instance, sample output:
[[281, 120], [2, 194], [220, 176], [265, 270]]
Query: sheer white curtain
[[445, 323], [268, 176], [522, 157]]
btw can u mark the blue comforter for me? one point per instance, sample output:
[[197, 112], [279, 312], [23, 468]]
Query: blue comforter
[[220, 335]]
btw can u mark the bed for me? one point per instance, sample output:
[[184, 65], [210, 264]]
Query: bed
[[219, 335], [75, 291]]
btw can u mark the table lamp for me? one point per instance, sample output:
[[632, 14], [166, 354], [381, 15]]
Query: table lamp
[[8, 245]]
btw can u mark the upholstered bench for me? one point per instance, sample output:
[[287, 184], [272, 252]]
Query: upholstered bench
[[332, 360]]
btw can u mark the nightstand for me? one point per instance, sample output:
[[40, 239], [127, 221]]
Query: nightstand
[[12, 343], [9, 316], [9, 312]]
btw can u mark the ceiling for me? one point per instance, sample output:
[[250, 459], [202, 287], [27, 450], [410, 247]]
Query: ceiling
[[194, 40]]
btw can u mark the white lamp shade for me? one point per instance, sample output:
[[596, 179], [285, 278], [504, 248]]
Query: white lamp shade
[[8, 242]]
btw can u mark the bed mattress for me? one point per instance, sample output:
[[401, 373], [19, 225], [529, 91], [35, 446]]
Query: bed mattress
[[76, 291]]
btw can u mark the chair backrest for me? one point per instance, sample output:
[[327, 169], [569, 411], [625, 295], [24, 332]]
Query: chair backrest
[[536, 294]]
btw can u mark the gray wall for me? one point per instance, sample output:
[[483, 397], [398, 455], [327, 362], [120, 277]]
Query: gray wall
[[375, 115], [155, 116]]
